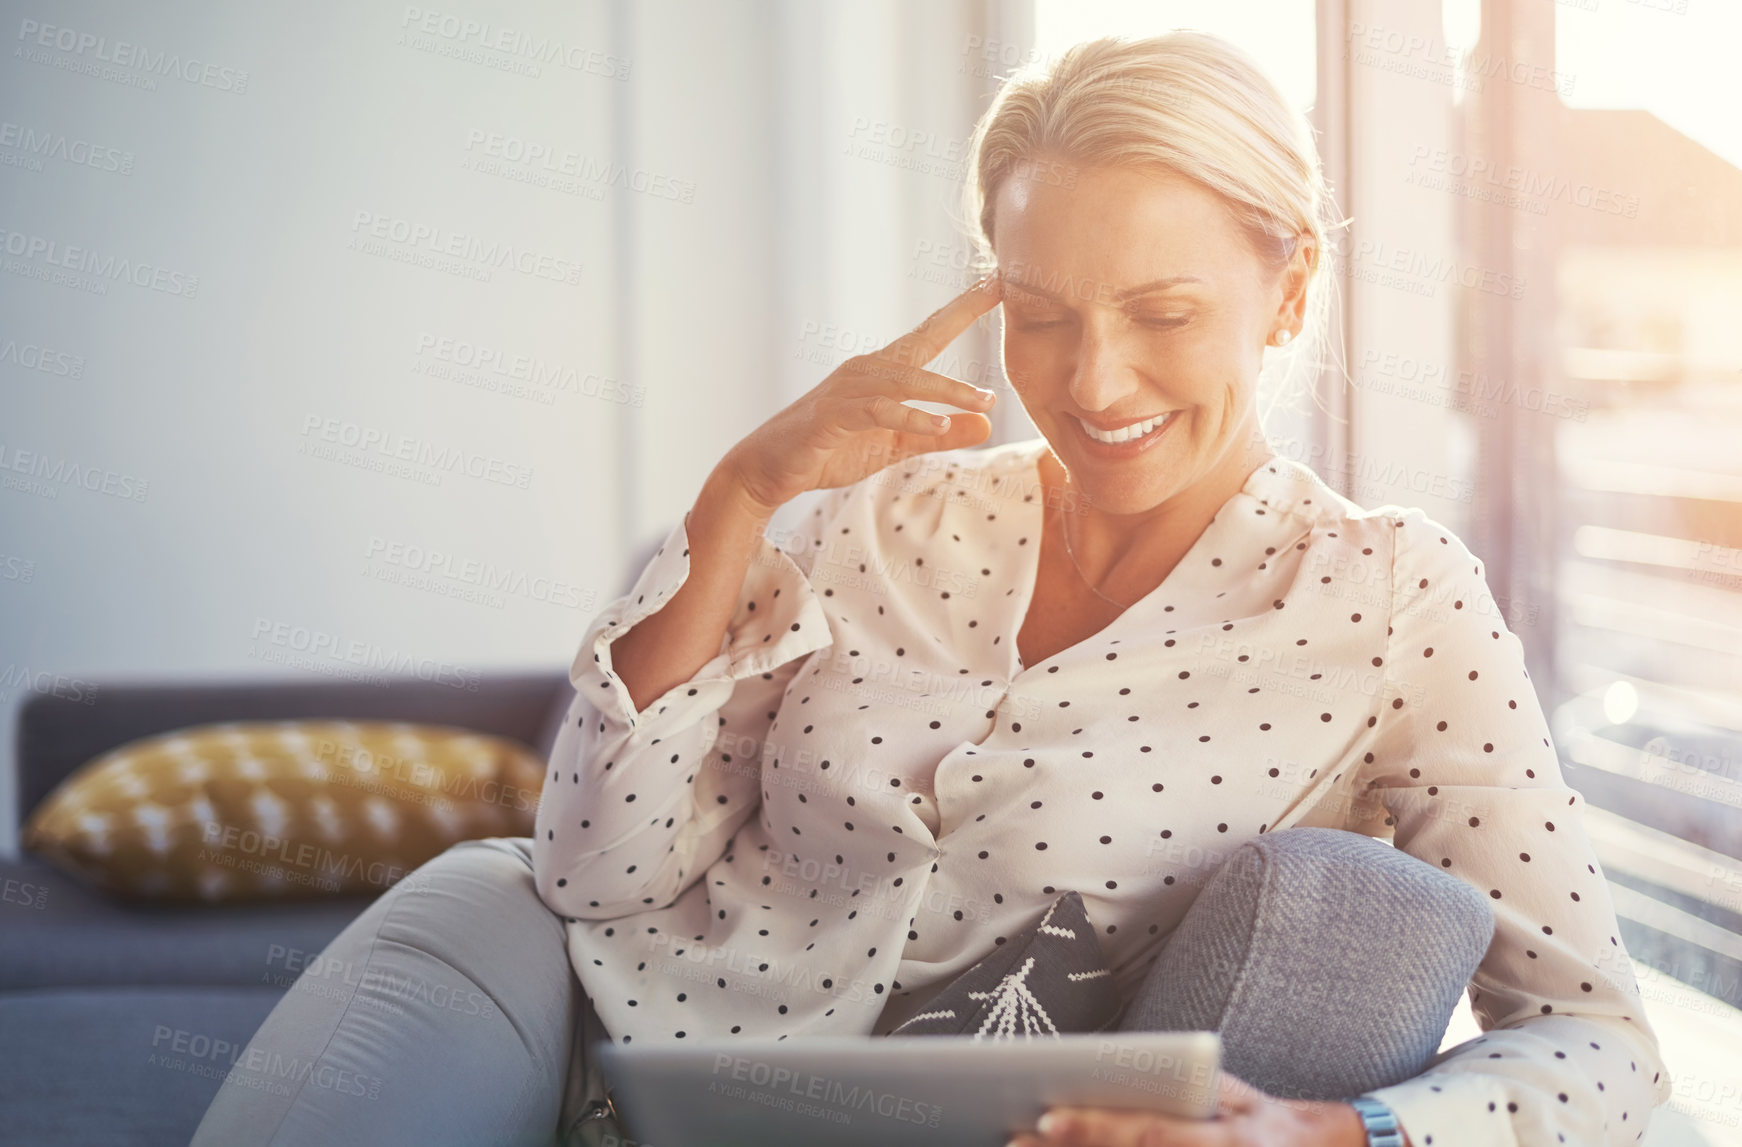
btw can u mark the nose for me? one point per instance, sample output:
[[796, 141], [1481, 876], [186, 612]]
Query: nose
[[1106, 367]]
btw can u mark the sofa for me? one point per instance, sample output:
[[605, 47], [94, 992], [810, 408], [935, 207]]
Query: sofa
[[118, 1020]]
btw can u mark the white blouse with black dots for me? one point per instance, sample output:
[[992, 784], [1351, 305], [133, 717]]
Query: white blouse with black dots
[[867, 790]]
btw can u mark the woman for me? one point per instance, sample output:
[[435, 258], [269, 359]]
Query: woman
[[1100, 660]]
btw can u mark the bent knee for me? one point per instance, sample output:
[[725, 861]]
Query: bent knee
[[479, 891], [500, 859]]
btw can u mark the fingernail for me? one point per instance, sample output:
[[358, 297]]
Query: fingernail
[[1050, 1124], [940, 420]]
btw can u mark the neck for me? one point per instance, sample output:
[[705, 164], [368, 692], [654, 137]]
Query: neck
[[1139, 549]]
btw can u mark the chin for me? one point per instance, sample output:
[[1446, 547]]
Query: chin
[[1140, 489]]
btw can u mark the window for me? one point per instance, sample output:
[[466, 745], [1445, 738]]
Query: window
[[1595, 168]]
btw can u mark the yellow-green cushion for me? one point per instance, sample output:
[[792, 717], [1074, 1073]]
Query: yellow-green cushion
[[268, 810]]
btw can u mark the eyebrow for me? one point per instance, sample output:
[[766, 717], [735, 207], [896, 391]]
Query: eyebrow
[[1118, 296]]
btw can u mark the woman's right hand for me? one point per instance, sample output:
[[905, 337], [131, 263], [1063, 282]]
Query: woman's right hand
[[855, 422]]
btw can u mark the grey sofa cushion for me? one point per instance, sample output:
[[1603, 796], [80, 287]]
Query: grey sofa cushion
[[87, 983], [1308, 923], [56, 735], [54, 932], [124, 1067], [1049, 979]]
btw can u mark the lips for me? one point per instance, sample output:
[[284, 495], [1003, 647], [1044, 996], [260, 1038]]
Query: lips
[[1128, 432], [1090, 447]]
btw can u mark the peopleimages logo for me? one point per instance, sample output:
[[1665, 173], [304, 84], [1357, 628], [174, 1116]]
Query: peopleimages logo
[[484, 576], [319, 651], [430, 240], [556, 160], [464, 31], [1535, 187], [1367, 258], [496, 369], [46, 474], [54, 145], [732, 1071], [15, 568], [88, 46], [47, 684], [392, 447], [32, 356], [37, 249]]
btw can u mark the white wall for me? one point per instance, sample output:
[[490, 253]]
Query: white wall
[[730, 230]]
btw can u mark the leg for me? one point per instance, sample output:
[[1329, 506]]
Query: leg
[[1329, 961], [445, 1013]]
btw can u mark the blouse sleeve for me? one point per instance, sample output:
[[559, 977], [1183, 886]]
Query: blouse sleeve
[[1461, 760], [637, 804]]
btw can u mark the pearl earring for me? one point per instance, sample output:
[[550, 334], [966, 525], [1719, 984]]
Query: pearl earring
[[1282, 338]]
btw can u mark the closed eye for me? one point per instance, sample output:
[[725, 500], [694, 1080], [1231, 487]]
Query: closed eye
[[1043, 322]]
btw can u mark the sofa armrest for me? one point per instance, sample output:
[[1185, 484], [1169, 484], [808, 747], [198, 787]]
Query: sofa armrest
[[56, 735]]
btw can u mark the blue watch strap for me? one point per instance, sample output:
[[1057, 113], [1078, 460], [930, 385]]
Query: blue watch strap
[[1379, 1121]]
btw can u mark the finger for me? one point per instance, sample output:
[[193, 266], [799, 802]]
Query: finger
[[881, 412], [928, 340], [904, 381], [1113, 1127], [1234, 1096], [964, 430]]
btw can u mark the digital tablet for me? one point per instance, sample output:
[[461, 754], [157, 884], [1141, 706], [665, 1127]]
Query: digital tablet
[[863, 1091]]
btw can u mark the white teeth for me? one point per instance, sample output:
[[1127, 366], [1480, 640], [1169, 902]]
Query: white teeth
[[1125, 433]]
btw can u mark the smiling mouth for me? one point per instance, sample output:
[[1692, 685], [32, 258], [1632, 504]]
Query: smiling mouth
[[1130, 432]]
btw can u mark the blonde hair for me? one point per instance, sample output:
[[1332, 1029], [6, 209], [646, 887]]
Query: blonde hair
[[1189, 102]]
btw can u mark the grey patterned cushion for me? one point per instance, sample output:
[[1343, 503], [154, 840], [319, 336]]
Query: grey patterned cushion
[[1049, 980], [1329, 962]]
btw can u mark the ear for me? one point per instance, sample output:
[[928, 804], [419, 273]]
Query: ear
[[1291, 313]]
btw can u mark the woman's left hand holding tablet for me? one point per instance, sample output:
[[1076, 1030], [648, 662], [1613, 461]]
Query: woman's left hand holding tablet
[[1245, 1117]]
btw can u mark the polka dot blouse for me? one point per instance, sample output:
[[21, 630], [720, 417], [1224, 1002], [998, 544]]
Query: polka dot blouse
[[867, 789]]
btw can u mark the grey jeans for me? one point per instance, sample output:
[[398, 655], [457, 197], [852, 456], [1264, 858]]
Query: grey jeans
[[448, 1012]]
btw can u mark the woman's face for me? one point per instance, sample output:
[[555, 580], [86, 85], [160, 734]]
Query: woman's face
[[1128, 296]]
